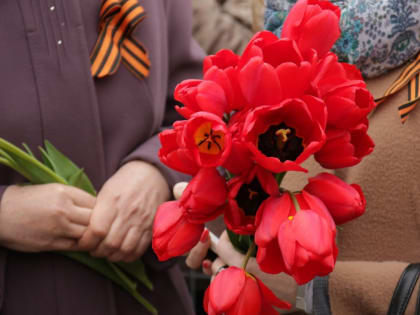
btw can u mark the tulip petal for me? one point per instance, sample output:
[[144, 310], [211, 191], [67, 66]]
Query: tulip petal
[[167, 215], [312, 232], [226, 288], [287, 243], [273, 212], [249, 302], [259, 83], [185, 238], [320, 33], [270, 259]]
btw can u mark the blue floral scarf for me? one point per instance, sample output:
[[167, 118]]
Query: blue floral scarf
[[376, 35]]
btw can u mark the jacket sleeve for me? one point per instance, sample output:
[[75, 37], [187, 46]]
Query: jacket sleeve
[[360, 287], [185, 62], [215, 27]]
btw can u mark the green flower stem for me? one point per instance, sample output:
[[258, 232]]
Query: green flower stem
[[279, 177], [294, 200], [248, 255], [127, 281]]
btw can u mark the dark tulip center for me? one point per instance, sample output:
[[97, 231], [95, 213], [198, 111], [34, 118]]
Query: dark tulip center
[[250, 197], [280, 141]]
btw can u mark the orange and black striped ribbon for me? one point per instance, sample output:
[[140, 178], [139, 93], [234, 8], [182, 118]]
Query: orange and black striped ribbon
[[409, 77], [118, 18]]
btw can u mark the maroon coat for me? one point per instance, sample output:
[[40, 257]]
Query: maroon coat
[[46, 92]]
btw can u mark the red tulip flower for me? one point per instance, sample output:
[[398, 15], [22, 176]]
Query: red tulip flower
[[236, 292], [222, 69], [272, 214], [345, 202], [348, 105], [267, 76], [200, 95], [314, 25], [207, 139], [173, 234], [307, 243], [281, 137], [275, 212], [246, 194], [345, 94], [330, 73], [300, 243], [345, 148], [267, 46], [204, 196], [173, 154]]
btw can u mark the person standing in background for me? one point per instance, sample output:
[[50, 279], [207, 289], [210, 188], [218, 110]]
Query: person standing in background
[[58, 84], [225, 24]]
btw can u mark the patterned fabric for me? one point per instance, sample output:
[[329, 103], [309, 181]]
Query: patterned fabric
[[377, 36]]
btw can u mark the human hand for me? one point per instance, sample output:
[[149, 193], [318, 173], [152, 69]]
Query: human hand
[[44, 217], [120, 228], [179, 189]]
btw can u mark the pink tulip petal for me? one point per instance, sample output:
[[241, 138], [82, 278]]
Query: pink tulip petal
[[226, 288]]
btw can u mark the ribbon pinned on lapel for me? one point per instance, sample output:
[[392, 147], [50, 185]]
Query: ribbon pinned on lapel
[[411, 77], [118, 18]]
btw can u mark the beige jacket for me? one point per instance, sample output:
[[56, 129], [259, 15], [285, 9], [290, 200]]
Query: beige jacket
[[220, 24], [375, 249]]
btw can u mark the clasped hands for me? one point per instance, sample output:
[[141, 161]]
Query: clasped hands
[[117, 224]]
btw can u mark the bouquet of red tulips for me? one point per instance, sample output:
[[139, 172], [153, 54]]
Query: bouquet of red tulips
[[250, 120]]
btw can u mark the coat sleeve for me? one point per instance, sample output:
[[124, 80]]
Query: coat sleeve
[[215, 27], [185, 62], [360, 287]]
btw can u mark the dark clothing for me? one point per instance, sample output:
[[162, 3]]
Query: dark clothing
[[47, 92]]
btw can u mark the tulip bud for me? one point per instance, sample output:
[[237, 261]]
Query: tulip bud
[[345, 148], [236, 292], [313, 24], [173, 234], [307, 243], [204, 196], [200, 95], [345, 202]]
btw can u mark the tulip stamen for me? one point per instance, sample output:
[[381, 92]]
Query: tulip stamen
[[282, 137], [252, 194], [208, 140], [282, 142]]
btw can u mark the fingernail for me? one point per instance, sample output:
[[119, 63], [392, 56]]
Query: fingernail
[[206, 264], [204, 236]]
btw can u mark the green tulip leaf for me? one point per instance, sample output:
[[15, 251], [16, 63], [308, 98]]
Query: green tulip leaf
[[46, 159], [63, 166], [28, 150]]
